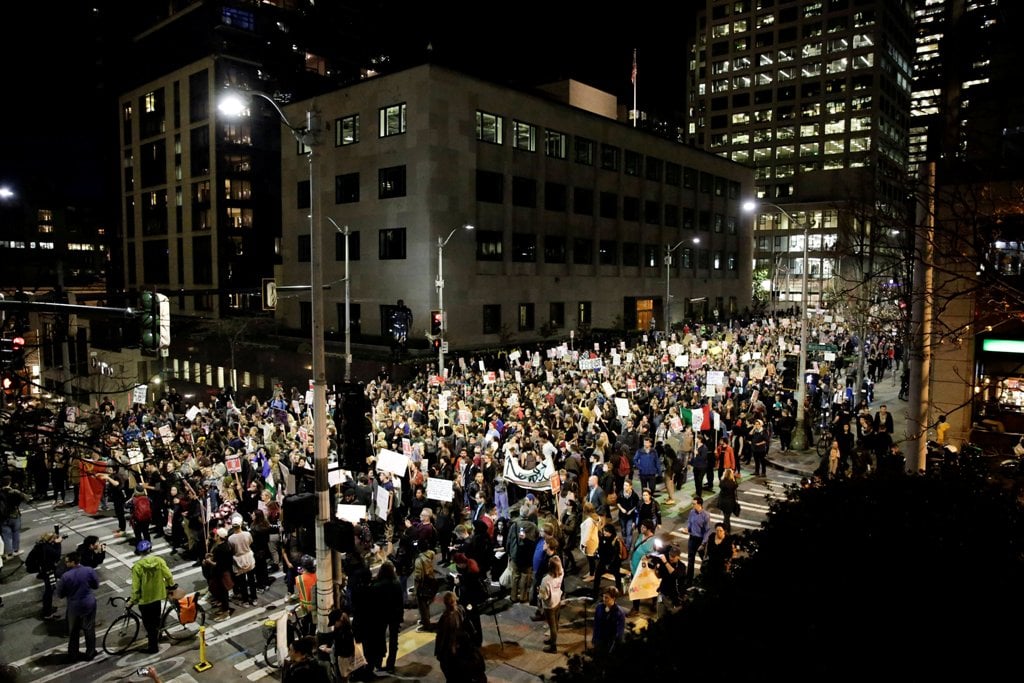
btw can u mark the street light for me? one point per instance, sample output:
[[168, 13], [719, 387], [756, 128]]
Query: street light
[[798, 442], [235, 104], [440, 294], [668, 290], [348, 314]]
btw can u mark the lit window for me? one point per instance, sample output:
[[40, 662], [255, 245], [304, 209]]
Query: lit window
[[835, 127], [838, 66], [392, 120], [833, 147], [346, 130], [524, 136], [489, 127]]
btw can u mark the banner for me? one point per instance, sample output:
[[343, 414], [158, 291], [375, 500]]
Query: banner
[[90, 487], [537, 479]]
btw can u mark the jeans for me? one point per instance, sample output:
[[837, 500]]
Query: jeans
[[693, 545], [11, 532], [501, 502], [648, 481], [49, 588]]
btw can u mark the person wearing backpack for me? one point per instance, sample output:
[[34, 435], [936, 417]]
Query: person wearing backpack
[[141, 514], [42, 561], [10, 512]]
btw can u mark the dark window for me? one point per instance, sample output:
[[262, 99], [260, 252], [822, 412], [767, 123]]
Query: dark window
[[671, 215], [730, 225], [686, 258], [631, 209], [198, 97], [302, 194], [689, 215], [490, 187], [653, 168], [718, 222], [652, 256], [689, 177], [355, 318], [631, 254], [155, 262], [652, 212], [556, 311], [719, 103], [788, 34], [582, 201], [608, 253], [555, 196], [706, 182], [525, 317], [719, 186], [153, 163], [583, 251], [632, 163], [488, 245], [704, 220], [353, 246], [609, 205], [583, 316], [524, 192], [346, 188], [202, 260], [703, 259], [491, 317], [304, 250], [524, 247], [610, 157], [764, 39], [673, 174], [741, 100], [554, 249], [734, 189], [391, 182], [392, 244], [584, 151]]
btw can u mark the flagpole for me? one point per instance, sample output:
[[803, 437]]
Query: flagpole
[[635, 112]]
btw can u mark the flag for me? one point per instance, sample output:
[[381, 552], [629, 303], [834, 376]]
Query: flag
[[90, 487], [632, 78]]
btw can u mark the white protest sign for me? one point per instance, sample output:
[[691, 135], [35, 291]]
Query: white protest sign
[[608, 389], [830, 356], [519, 377], [351, 513], [745, 358], [481, 365], [165, 434], [464, 416], [629, 357], [757, 372], [440, 489], [139, 394], [514, 355], [383, 502], [442, 403], [697, 418], [490, 378], [135, 456], [622, 407], [337, 476], [716, 377], [390, 461], [709, 390], [682, 361], [191, 414], [233, 464]]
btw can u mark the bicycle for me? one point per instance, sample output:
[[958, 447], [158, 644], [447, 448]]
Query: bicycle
[[297, 627], [124, 630]]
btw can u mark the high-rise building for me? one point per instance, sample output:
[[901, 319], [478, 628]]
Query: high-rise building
[[816, 97]]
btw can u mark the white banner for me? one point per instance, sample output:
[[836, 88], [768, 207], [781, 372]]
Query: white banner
[[537, 479]]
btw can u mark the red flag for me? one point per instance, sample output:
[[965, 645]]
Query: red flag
[[90, 487], [632, 77]]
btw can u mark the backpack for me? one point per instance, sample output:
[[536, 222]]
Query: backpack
[[623, 468], [623, 552], [32, 562], [141, 510]]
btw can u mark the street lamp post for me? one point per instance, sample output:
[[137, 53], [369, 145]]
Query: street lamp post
[[668, 281], [798, 442], [307, 135], [348, 311], [440, 295]]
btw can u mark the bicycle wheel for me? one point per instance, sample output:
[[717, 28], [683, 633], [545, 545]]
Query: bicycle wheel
[[270, 655], [824, 443], [121, 633], [178, 631]]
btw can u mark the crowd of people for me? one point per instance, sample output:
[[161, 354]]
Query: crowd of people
[[219, 480]]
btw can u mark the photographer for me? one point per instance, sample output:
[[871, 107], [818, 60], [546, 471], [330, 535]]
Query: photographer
[[672, 573], [91, 552]]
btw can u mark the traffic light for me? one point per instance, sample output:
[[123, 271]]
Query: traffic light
[[17, 352], [435, 343], [155, 322], [6, 352], [435, 323]]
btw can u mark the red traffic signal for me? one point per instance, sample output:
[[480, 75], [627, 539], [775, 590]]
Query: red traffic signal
[[17, 343], [436, 318]]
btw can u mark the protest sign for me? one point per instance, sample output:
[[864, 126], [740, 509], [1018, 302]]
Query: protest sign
[[351, 513], [440, 489], [390, 461]]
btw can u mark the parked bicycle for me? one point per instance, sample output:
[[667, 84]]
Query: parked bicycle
[[298, 626], [124, 630]]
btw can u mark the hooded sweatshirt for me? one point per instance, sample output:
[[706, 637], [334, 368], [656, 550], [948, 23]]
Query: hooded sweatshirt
[[151, 577]]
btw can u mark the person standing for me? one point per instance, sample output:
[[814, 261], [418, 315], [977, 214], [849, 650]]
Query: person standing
[[76, 585], [425, 581], [245, 561], [389, 610], [700, 463], [785, 427], [151, 579], [629, 507], [717, 563], [217, 570], [610, 552], [11, 529], [141, 514], [117, 487], [759, 448], [609, 623], [643, 545], [647, 463], [698, 528], [42, 560], [450, 626], [91, 552], [549, 596], [590, 538]]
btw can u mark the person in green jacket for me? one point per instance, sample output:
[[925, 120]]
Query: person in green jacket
[[151, 579]]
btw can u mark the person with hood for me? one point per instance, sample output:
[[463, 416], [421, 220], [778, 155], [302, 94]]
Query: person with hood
[[151, 579]]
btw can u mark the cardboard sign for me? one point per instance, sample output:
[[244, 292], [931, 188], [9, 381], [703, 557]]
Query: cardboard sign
[[622, 407], [465, 416], [440, 489], [351, 513], [139, 394], [383, 502], [233, 464], [135, 456], [608, 389], [406, 446]]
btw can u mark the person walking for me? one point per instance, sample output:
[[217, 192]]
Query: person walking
[[728, 501], [217, 568], [11, 529], [629, 508], [698, 528], [701, 464], [647, 464], [642, 545], [425, 581], [151, 579], [76, 585], [611, 551], [549, 596]]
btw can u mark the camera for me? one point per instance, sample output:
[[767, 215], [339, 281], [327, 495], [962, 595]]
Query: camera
[[142, 671]]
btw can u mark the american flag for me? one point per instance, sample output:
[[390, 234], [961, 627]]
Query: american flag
[[632, 78]]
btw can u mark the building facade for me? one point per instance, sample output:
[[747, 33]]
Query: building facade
[[573, 212]]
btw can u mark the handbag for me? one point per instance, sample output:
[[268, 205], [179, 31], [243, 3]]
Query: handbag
[[738, 510], [505, 580], [245, 562], [645, 583]]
